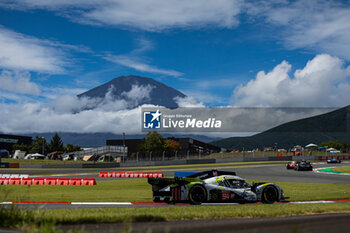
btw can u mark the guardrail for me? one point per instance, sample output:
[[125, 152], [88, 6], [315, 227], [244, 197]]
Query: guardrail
[[132, 174], [47, 181]]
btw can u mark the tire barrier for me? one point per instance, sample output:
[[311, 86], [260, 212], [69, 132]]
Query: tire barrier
[[47, 181], [131, 174]]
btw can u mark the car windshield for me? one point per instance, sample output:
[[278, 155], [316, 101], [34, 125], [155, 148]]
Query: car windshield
[[238, 183]]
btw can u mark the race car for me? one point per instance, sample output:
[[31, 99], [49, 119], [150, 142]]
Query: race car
[[290, 165], [213, 186], [333, 160], [303, 166]]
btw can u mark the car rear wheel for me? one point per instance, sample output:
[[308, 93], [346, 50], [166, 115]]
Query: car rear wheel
[[197, 195], [269, 195]]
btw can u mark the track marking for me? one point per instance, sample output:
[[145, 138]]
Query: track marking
[[162, 203], [319, 170]]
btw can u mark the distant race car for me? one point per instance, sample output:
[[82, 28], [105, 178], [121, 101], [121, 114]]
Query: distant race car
[[333, 160], [290, 165], [303, 166], [213, 186]]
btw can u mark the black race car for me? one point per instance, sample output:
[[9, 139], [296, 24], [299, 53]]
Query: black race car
[[303, 166], [213, 186]]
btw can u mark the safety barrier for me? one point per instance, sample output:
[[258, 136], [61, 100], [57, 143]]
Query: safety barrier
[[47, 181], [131, 174]]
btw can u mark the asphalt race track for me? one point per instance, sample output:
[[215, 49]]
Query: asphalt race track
[[265, 172], [323, 223], [268, 172]]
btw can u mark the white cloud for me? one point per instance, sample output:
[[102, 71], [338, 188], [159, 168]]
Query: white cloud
[[36, 117], [317, 25], [21, 52], [151, 15], [69, 113], [205, 97], [321, 83], [188, 102], [132, 62], [138, 94], [18, 82]]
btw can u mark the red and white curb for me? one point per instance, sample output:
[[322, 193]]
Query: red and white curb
[[317, 170], [159, 203]]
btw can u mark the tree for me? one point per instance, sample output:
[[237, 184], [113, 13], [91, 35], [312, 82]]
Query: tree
[[170, 146], [38, 146], [71, 148], [56, 144], [22, 147], [153, 141]]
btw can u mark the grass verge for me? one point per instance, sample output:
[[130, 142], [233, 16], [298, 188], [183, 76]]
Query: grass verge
[[75, 216], [343, 169]]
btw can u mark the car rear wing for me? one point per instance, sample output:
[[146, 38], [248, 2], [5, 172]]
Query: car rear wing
[[211, 173]]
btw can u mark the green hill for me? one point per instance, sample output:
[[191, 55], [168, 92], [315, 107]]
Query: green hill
[[325, 127]]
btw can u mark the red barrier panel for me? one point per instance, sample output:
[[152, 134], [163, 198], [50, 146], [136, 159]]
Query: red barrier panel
[[38, 181], [129, 174], [15, 181], [88, 181], [118, 174], [122, 174], [138, 174], [4, 181], [111, 174], [51, 181], [62, 181], [103, 174], [75, 181], [27, 181], [157, 174]]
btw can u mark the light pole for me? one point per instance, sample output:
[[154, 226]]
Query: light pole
[[123, 147], [43, 146]]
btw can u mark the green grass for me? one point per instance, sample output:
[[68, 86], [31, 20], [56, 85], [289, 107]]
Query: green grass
[[344, 169], [69, 216], [104, 191], [138, 190]]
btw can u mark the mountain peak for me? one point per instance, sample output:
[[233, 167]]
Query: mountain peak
[[136, 91]]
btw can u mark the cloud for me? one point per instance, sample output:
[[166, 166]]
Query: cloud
[[187, 102], [21, 52], [321, 83], [205, 97], [36, 117], [18, 82], [132, 62], [151, 15], [317, 25], [69, 113]]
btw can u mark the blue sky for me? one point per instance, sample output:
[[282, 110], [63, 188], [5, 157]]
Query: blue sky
[[222, 53]]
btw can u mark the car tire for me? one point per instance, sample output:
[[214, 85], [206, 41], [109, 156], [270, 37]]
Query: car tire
[[197, 195], [269, 195]]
